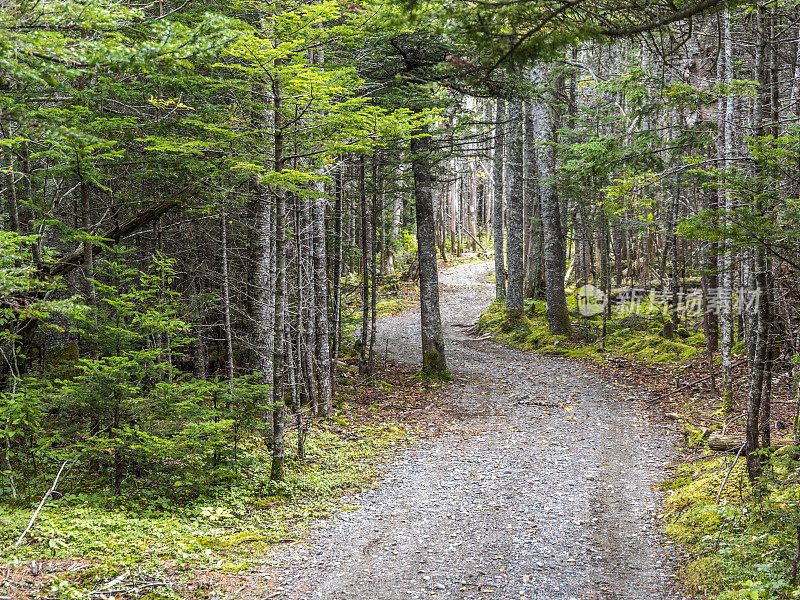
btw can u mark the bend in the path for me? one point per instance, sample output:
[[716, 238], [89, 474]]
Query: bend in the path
[[545, 493]]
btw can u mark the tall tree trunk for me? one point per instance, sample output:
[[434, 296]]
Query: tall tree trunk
[[366, 257], [306, 320], [724, 298], [433, 354], [553, 236], [279, 352], [337, 271], [262, 318], [12, 206], [532, 212], [226, 299], [758, 332], [373, 301], [497, 216], [514, 178], [710, 281], [394, 231], [321, 324]]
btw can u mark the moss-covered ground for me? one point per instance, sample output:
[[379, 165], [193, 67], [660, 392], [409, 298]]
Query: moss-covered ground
[[634, 336], [741, 544]]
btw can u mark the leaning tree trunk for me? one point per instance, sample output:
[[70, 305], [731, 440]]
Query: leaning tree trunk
[[497, 215], [433, 357], [514, 172]]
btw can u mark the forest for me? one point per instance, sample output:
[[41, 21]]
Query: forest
[[213, 213]]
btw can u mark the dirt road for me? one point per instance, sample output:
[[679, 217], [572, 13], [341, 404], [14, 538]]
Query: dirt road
[[545, 492]]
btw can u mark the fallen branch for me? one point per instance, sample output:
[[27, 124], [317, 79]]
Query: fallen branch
[[263, 541], [41, 504], [693, 383], [728, 474], [731, 443], [74, 259], [472, 236]]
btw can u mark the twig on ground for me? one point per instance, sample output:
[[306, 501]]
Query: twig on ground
[[264, 540], [41, 504]]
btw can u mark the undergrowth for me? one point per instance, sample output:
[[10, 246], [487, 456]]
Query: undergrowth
[[219, 528], [742, 546]]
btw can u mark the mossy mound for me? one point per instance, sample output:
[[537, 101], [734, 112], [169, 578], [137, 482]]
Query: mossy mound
[[651, 348], [703, 575], [631, 336]]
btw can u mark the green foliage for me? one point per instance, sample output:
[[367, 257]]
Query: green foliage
[[126, 415], [209, 527], [742, 547]]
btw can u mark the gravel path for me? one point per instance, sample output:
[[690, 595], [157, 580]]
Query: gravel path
[[544, 492]]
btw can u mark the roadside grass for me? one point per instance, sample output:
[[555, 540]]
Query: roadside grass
[[228, 528]]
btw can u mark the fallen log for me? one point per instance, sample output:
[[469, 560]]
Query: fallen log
[[732, 443]]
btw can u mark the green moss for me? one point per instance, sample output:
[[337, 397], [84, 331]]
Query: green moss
[[652, 348], [743, 545], [491, 319], [520, 324], [703, 575], [433, 368], [629, 336], [390, 307], [60, 363]]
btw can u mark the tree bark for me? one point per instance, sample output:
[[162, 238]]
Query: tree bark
[[531, 212], [337, 271], [366, 258], [230, 370], [433, 353], [553, 236], [321, 324], [278, 346], [514, 178], [724, 297], [497, 215]]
